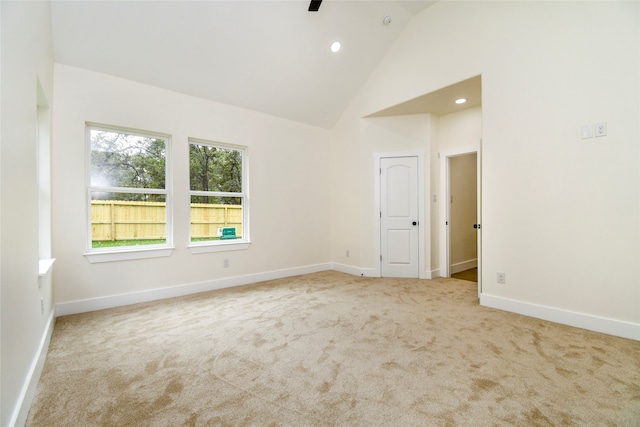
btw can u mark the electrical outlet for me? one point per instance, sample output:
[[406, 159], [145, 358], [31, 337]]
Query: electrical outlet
[[42, 306], [225, 263], [502, 278], [601, 129]]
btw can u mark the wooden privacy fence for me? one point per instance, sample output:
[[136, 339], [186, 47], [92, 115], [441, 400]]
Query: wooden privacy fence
[[207, 218], [124, 220]]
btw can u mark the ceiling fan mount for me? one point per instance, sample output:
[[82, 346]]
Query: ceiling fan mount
[[314, 5]]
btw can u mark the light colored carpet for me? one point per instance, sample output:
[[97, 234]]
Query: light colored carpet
[[332, 349]]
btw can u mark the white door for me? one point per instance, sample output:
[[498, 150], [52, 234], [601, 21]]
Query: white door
[[399, 217]]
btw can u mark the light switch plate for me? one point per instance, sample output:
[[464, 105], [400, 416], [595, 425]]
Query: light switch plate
[[586, 131]]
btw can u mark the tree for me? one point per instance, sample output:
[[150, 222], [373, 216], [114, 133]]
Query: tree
[[127, 161], [215, 169], [121, 160]]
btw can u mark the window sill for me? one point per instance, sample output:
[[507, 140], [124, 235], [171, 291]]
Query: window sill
[[128, 254], [202, 248], [45, 266]]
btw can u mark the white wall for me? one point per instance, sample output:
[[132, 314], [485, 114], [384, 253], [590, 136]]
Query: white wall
[[26, 58], [455, 132], [288, 175], [354, 212], [353, 149], [397, 134], [560, 214]]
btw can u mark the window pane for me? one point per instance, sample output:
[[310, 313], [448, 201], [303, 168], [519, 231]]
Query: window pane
[[123, 160], [215, 168], [216, 218], [128, 219]]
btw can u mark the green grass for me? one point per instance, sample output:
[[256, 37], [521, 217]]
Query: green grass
[[209, 239], [205, 239], [143, 242], [118, 243]]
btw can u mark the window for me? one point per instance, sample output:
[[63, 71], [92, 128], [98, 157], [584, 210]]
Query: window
[[129, 204], [43, 147], [218, 191]]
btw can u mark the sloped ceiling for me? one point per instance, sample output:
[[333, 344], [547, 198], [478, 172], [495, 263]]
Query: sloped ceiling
[[268, 56], [441, 101]]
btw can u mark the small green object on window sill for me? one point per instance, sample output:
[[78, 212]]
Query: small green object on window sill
[[228, 233]]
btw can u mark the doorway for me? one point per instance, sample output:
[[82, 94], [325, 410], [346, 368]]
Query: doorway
[[460, 224], [463, 202]]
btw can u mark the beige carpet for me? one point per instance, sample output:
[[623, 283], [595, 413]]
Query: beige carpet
[[332, 349]]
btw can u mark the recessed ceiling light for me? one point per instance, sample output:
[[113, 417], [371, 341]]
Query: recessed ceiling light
[[461, 100], [335, 46]]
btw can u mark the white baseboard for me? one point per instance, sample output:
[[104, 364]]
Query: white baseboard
[[102, 303], [432, 274], [579, 320], [348, 269], [369, 272], [30, 386], [462, 266], [372, 272]]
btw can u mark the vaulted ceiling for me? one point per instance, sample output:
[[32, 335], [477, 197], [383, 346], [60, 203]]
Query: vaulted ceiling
[[268, 56]]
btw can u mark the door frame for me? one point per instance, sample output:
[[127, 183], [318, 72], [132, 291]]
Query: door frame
[[420, 154], [445, 208]]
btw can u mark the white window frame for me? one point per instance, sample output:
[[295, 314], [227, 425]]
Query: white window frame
[[43, 160], [218, 245], [123, 253]]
